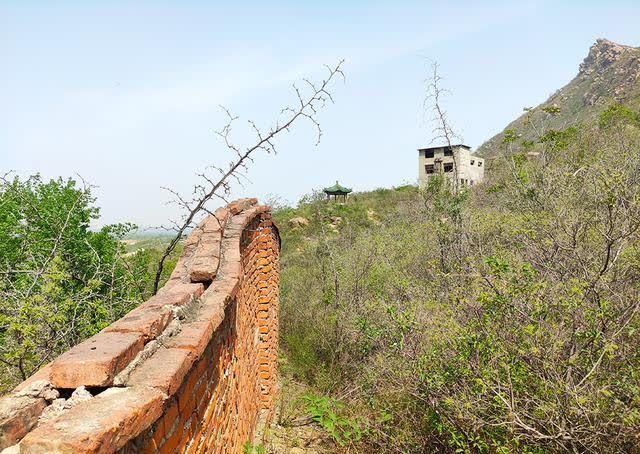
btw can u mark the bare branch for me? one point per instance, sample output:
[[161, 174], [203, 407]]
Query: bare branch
[[307, 106]]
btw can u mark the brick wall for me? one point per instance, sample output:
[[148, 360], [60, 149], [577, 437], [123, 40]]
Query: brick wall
[[193, 369]]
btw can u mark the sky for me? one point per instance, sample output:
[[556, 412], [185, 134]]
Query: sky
[[127, 95]]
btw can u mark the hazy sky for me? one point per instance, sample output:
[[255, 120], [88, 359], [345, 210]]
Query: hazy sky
[[127, 94]]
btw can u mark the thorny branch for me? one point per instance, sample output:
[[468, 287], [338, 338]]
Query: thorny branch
[[309, 101]]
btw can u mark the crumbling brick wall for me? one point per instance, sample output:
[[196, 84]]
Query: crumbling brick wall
[[193, 369]]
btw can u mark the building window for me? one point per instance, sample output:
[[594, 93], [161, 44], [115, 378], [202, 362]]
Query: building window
[[479, 163], [429, 168], [428, 153], [473, 162], [448, 152], [448, 167]]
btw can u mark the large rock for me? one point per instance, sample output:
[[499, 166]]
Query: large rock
[[298, 222]]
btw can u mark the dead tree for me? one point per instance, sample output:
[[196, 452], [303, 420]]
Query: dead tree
[[442, 130], [312, 97]]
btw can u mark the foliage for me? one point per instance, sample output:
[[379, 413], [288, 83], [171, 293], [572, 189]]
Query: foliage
[[325, 411], [502, 318], [60, 281], [250, 448]]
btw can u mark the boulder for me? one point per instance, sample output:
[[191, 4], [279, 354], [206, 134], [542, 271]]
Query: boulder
[[298, 222]]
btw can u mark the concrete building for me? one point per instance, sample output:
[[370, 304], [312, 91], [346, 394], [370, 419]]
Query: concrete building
[[456, 161]]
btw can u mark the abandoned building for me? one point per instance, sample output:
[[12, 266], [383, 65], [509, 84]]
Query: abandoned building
[[456, 161]]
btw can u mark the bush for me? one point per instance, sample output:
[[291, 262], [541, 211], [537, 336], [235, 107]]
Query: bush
[[498, 319]]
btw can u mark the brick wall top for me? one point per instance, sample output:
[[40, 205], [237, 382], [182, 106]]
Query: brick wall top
[[109, 389]]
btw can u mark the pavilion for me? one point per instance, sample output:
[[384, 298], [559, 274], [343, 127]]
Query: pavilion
[[337, 191]]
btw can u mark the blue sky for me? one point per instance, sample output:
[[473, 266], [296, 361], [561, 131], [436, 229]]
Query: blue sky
[[127, 94]]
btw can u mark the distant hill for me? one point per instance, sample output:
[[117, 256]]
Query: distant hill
[[610, 73]]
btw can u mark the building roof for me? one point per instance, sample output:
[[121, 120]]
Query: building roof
[[446, 146], [337, 189]]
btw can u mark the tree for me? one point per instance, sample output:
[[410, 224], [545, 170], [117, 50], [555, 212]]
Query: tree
[[442, 130], [60, 282]]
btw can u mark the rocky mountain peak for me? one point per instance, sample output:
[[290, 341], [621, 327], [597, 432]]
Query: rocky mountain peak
[[609, 73], [602, 55]]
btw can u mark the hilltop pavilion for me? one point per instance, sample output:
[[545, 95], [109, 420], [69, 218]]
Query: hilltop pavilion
[[337, 191]]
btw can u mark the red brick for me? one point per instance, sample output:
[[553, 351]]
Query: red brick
[[219, 377], [169, 447], [171, 414], [147, 320], [194, 336], [95, 361], [177, 294], [165, 370], [159, 432], [229, 286], [204, 269], [212, 305], [222, 214], [102, 424]]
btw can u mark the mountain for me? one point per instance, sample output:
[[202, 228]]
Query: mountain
[[609, 74]]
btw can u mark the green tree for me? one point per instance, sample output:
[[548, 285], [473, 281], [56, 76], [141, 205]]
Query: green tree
[[60, 281]]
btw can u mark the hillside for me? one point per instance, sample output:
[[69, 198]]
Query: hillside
[[609, 74], [500, 319]]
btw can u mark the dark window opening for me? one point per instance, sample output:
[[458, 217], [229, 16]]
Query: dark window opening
[[448, 152], [428, 153], [448, 167], [429, 168]]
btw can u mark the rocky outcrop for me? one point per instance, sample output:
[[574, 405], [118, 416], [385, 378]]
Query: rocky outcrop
[[609, 73], [613, 69]]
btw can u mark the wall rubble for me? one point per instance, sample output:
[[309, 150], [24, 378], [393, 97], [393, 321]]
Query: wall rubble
[[192, 369]]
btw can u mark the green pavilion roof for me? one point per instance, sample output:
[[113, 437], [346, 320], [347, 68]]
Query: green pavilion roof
[[337, 189]]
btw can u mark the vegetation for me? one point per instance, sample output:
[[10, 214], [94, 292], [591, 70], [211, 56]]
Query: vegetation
[[498, 319], [60, 281]]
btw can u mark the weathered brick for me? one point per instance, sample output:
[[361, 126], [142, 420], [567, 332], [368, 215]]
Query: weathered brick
[[95, 361], [18, 415], [219, 370], [170, 446], [212, 305], [44, 373], [176, 295], [165, 370], [149, 321], [100, 425], [193, 336]]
